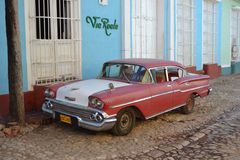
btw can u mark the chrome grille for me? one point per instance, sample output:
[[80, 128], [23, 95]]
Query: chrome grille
[[73, 111]]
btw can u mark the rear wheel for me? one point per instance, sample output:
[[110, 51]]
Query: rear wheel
[[188, 108], [125, 122]]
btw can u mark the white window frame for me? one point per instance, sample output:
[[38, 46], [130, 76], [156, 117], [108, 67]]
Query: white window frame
[[144, 29], [193, 33], [31, 82], [126, 18], [127, 34], [212, 54]]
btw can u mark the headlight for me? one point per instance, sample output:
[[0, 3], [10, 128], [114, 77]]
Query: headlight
[[96, 103], [48, 105], [48, 93]]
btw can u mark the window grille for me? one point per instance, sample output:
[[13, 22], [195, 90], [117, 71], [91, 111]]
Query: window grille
[[43, 21], [55, 40], [235, 34], [64, 19], [144, 28], [186, 32], [209, 31]]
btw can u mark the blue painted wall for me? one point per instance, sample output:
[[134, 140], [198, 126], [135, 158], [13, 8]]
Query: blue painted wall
[[96, 46], [3, 46], [219, 33], [198, 37], [175, 30], [166, 29]]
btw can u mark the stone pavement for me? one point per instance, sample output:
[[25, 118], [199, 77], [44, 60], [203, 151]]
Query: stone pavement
[[220, 139]]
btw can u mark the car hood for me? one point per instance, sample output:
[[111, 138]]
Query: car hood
[[78, 92]]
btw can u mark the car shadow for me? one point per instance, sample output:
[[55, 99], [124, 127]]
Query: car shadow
[[82, 131], [79, 130]]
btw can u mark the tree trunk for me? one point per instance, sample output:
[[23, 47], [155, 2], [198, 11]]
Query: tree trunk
[[16, 100]]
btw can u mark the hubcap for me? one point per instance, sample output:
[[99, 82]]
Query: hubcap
[[125, 120]]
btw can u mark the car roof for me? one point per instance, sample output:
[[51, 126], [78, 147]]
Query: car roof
[[148, 63]]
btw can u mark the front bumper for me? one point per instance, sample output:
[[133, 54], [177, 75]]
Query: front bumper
[[81, 115]]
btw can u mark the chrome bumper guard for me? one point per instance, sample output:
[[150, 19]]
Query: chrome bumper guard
[[86, 120], [209, 90]]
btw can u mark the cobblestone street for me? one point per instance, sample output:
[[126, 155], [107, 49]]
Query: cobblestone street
[[218, 140], [211, 132]]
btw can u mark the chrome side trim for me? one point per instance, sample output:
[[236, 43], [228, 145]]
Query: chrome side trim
[[165, 111], [157, 95], [123, 104], [187, 90], [162, 94]]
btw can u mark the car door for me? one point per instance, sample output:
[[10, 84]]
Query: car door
[[180, 85], [161, 90]]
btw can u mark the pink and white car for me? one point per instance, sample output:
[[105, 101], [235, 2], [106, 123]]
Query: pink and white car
[[126, 89]]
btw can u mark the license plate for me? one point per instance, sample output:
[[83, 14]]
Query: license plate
[[65, 119]]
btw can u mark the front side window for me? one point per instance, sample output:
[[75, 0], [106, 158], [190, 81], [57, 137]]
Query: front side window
[[126, 72], [159, 75]]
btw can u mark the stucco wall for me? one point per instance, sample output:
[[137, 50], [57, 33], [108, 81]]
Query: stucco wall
[[226, 31], [3, 45], [97, 47]]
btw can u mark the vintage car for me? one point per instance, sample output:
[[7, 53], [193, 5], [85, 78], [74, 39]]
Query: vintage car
[[126, 89]]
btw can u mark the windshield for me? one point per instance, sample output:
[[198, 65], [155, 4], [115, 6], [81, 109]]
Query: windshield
[[126, 72]]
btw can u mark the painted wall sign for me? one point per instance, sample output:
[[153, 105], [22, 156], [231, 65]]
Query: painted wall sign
[[102, 23]]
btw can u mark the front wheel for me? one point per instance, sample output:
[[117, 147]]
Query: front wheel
[[125, 122], [188, 108]]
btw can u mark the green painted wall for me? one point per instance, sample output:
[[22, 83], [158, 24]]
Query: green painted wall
[[226, 30]]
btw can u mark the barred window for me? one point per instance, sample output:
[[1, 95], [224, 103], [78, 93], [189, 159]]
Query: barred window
[[64, 19], [55, 40], [235, 34], [186, 31], [144, 26], [43, 20], [209, 31]]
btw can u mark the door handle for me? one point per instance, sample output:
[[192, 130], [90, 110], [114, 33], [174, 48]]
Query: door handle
[[187, 84]]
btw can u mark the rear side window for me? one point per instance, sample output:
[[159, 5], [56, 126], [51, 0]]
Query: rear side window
[[175, 73]]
